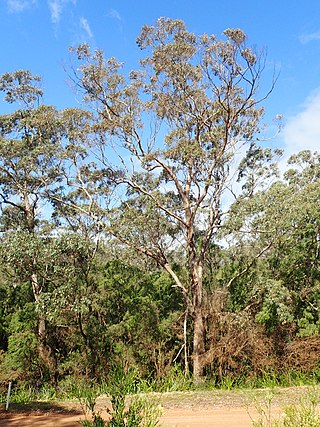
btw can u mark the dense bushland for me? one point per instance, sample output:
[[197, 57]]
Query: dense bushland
[[124, 250]]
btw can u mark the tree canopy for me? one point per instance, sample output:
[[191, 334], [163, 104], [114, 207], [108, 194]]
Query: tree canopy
[[133, 233]]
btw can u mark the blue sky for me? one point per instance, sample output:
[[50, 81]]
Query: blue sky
[[36, 34]]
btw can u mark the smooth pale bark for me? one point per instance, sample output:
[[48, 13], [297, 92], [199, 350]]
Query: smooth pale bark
[[194, 306], [198, 344], [198, 321]]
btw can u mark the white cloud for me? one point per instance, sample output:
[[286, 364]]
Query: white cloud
[[85, 25], [302, 131], [309, 37], [18, 6], [113, 13], [56, 8]]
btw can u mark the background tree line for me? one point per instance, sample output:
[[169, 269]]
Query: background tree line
[[119, 243]]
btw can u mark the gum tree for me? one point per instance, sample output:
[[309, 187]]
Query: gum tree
[[167, 138], [28, 166], [287, 288], [33, 143]]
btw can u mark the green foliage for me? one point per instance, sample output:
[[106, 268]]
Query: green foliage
[[23, 394], [132, 412], [141, 312], [22, 87], [282, 287], [178, 121], [75, 302], [309, 323], [139, 413], [87, 394], [97, 421], [174, 380], [305, 414], [21, 358], [275, 309]]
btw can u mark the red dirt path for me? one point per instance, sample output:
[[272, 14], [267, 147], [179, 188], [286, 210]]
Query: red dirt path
[[191, 409], [174, 417]]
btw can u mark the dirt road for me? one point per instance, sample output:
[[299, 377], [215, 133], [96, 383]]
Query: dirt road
[[237, 417], [189, 409]]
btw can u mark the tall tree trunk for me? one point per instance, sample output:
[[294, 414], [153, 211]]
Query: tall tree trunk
[[194, 307], [44, 349], [185, 343], [198, 323], [198, 344]]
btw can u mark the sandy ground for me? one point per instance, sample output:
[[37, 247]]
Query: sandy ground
[[237, 417], [198, 409]]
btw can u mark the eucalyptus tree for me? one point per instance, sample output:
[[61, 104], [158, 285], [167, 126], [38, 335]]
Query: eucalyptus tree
[[295, 258], [33, 145], [285, 287], [165, 143]]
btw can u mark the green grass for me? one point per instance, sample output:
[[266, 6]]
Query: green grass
[[70, 387], [304, 413], [299, 405]]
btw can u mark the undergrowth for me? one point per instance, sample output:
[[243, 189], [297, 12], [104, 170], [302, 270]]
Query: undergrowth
[[124, 412], [304, 414], [71, 387]]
